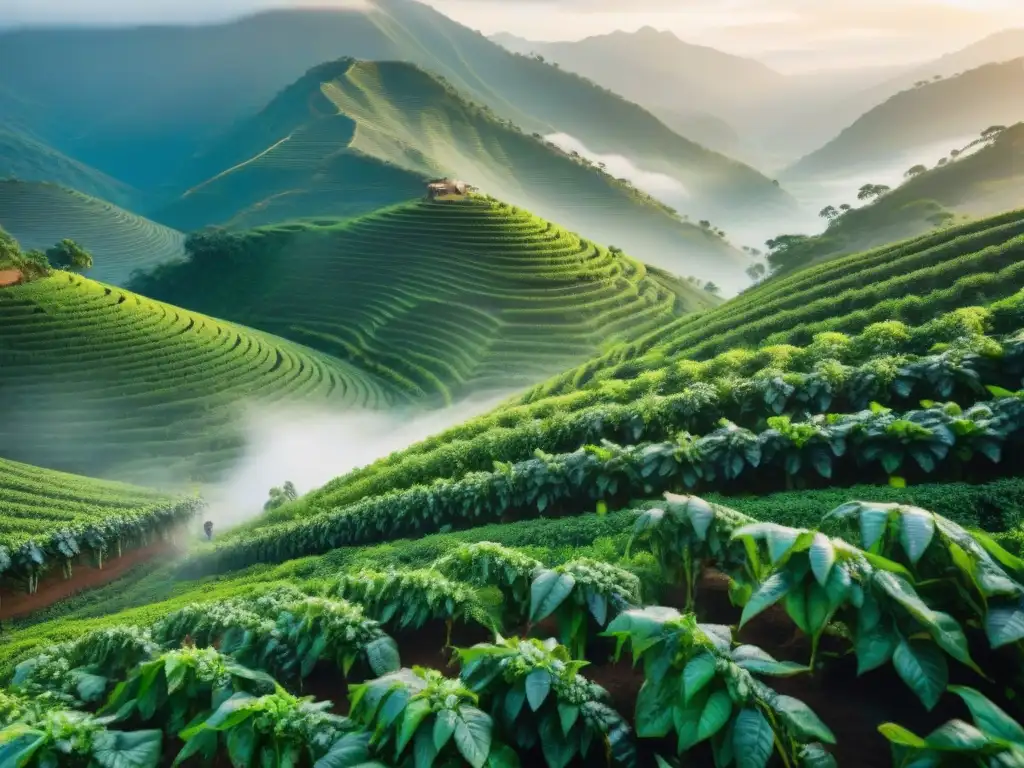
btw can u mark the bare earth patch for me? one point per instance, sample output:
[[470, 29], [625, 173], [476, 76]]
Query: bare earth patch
[[9, 277]]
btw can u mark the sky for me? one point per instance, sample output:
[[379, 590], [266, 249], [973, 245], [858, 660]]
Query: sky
[[791, 35]]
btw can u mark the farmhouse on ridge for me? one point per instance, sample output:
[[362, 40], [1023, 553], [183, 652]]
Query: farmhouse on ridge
[[439, 187]]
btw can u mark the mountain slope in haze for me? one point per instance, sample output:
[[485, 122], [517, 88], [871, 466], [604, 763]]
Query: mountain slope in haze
[[40, 214], [102, 381], [981, 183], [441, 298], [941, 110], [386, 127], [685, 85], [135, 121]]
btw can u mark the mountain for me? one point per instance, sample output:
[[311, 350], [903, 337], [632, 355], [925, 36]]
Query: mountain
[[688, 87], [352, 136], [439, 298], [40, 214], [135, 121], [982, 180], [942, 110], [102, 381]]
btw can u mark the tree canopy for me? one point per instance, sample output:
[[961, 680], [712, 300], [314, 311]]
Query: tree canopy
[[67, 254]]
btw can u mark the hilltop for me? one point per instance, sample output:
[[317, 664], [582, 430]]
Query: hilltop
[[40, 214], [438, 298], [237, 67], [379, 130], [101, 381], [946, 109]]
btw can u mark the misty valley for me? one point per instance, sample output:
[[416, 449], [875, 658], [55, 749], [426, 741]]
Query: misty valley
[[434, 383]]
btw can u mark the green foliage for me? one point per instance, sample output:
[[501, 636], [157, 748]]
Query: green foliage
[[538, 697], [281, 496], [420, 717], [69, 255], [994, 740], [486, 564], [700, 687], [580, 592], [821, 580], [276, 729], [409, 599]]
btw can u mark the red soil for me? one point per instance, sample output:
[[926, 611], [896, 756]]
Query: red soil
[[9, 277], [54, 588]]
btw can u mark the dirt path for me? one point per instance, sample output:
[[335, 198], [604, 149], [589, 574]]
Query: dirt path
[[54, 588], [9, 277]]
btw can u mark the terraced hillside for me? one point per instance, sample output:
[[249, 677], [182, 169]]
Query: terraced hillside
[[832, 338], [49, 518], [104, 382], [351, 136], [438, 297], [41, 214]]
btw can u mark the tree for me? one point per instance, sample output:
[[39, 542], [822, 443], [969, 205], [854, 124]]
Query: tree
[[705, 224], [711, 288], [916, 170], [756, 271], [10, 251], [828, 212], [281, 496], [992, 131], [67, 254], [845, 207], [869, 191], [954, 153], [943, 160]]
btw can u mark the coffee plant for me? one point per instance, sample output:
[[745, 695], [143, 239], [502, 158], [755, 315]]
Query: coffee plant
[[485, 564]]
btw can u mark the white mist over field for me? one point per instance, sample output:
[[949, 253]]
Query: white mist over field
[[311, 447], [657, 184]]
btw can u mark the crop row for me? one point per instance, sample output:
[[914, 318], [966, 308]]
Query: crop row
[[839, 448]]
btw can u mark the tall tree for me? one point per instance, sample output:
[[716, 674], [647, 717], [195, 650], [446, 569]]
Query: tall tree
[[67, 254]]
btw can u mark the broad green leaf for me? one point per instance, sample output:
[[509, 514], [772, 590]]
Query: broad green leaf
[[715, 714], [547, 592], [917, 527], [424, 753], [774, 588], [18, 742], [473, 736], [242, 744], [515, 697], [897, 734], [444, 727], [795, 604], [874, 648], [921, 665], [822, 556], [538, 685], [597, 602], [350, 751], [697, 673], [760, 662], [1004, 623], [956, 736], [558, 750], [121, 749], [951, 638], [568, 714], [500, 756], [653, 711], [382, 655], [701, 516], [802, 720], [872, 522], [988, 716], [415, 713], [753, 741], [816, 756]]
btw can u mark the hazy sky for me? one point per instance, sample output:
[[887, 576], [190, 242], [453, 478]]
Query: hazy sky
[[789, 34]]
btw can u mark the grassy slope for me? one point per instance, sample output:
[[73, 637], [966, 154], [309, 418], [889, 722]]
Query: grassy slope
[[444, 296], [946, 109], [40, 214], [914, 282], [349, 137], [101, 381], [135, 121], [981, 183]]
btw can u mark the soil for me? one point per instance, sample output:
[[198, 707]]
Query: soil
[[53, 588], [9, 277]]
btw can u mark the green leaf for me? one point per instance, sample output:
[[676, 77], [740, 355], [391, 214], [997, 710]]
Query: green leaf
[[567, 716], [753, 741], [760, 662], [242, 744], [653, 711], [121, 749], [415, 713], [701, 516], [547, 592], [558, 750], [950, 637], [988, 716], [802, 721], [597, 602], [956, 736], [1004, 624], [382, 655], [18, 743], [823, 557], [515, 697], [917, 527], [473, 735], [921, 665], [816, 756], [423, 751], [444, 727], [897, 734], [774, 588], [874, 648], [350, 751], [715, 714], [538, 685], [697, 673]]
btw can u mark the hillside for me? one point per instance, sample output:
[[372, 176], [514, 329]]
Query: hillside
[[378, 130], [978, 182], [104, 382], [135, 122], [943, 110], [41, 214], [25, 158], [439, 298]]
